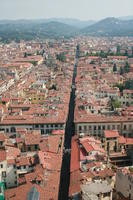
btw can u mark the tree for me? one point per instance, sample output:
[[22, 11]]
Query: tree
[[129, 84], [43, 51], [103, 54], [126, 53], [118, 49], [109, 51], [110, 104], [114, 104], [87, 54], [92, 62], [25, 54], [114, 68], [132, 51], [61, 57], [34, 63], [121, 71], [126, 68], [120, 86]]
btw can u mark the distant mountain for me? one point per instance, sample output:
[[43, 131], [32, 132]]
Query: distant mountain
[[42, 29], [74, 22], [110, 27], [33, 29], [126, 17]]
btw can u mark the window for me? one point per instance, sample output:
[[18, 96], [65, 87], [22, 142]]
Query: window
[[7, 130], [18, 167], [13, 130], [85, 128], [118, 127], [80, 128], [89, 127], [95, 128], [125, 127], [108, 127], [36, 126], [103, 127], [130, 127], [4, 174], [42, 131], [1, 165], [113, 127], [29, 148], [99, 127], [15, 182]]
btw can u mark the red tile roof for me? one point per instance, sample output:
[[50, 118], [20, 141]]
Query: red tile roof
[[2, 137], [111, 134], [74, 187], [122, 140], [32, 139], [88, 147], [24, 161], [129, 141], [75, 154], [12, 152]]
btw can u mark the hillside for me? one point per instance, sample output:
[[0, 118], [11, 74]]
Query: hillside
[[110, 27], [42, 29], [75, 22], [28, 30]]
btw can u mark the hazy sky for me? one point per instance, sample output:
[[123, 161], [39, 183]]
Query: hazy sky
[[81, 9]]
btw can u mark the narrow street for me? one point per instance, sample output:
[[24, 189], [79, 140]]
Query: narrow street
[[69, 131]]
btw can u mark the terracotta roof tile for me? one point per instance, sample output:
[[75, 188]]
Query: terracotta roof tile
[[111, 134], [75, 154]]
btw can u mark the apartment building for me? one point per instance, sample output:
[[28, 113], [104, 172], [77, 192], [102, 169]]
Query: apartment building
[[96, 125]]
